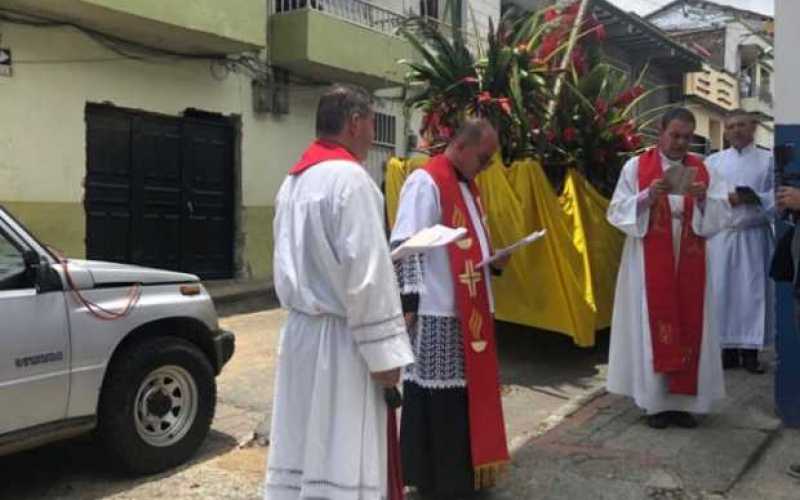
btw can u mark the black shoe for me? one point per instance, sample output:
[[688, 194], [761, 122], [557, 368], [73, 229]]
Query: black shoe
[[658, 420], [731, 359], [750, 362], [683, 419]]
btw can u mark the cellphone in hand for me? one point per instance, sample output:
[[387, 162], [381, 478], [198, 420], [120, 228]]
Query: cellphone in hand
[[747, 195]]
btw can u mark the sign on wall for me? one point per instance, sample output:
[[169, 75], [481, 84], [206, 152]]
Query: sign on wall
[[5, 62]]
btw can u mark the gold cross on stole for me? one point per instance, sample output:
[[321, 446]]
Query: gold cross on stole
[[471, 278]]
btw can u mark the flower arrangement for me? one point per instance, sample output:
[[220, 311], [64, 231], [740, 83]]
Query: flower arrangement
[[598, 117]]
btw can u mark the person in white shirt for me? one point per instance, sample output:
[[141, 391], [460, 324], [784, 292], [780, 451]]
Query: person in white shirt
[[740, 254]]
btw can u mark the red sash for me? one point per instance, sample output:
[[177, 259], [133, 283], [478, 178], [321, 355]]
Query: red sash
[[318, 152], [487, 429], [674, 299]]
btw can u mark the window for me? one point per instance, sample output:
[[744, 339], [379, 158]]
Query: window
[[12, 265], [384, 145], [429, 8]]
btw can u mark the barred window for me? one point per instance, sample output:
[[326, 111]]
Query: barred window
[[384, 145]]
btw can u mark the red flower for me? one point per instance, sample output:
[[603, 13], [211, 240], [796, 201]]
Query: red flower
[[573, 9], [550, 15], [631, 142], [630, 95], [570, 134], [505, 105], [549, 45], [469, 79], [600, 33], [551, 136], [484, 97], [601, 106], [579, 61]]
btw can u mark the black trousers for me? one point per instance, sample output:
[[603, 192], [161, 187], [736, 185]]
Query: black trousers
[[434, 440]]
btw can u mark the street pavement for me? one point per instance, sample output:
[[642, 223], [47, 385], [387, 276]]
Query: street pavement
[[568, 438]]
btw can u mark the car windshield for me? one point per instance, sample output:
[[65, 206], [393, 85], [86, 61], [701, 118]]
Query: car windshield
[[9, 215]]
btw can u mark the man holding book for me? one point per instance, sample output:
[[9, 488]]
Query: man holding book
[[452, 433]]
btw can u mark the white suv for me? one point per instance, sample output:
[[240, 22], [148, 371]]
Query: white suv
[[129, 352]]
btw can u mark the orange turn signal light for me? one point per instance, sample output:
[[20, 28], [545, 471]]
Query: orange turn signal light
[[190, 290]]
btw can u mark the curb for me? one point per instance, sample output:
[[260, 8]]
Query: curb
[[563, 413]]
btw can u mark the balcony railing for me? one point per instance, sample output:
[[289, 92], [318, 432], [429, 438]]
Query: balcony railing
[[363, 13], [356, 11]]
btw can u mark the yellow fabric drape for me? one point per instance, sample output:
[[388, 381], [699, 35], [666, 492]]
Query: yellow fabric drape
[[563, 283]]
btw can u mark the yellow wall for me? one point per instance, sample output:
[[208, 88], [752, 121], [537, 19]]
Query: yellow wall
[[43, 132]]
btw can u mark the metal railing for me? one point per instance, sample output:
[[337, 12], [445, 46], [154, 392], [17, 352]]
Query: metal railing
[[364, 13], [355, 11]]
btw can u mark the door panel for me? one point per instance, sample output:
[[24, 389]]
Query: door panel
[[160, 191], [34, 347]]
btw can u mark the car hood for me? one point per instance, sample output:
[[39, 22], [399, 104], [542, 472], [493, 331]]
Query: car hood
[[104, 273]]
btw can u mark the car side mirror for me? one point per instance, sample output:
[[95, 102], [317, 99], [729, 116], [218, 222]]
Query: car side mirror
[[31, 259], [45, 277]]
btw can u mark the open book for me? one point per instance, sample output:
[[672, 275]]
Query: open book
[[499, 254], [427, 239], [680, 178]]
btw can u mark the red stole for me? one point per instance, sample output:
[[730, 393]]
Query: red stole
[[487, 429], [674, 299], [318, 152]]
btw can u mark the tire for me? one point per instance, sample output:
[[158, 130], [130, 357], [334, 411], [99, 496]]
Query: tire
[[156, 405]]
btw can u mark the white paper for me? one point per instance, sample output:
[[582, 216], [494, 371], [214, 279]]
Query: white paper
[[680, 179], [427, 239], [499, 254]]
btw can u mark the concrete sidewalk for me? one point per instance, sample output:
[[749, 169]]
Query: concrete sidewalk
[[606, 451]]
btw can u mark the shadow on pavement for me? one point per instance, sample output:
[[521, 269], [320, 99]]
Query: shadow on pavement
[[79, 468]]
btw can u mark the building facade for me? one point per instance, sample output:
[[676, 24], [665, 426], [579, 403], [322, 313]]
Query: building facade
[[158, 133], [734, 42]]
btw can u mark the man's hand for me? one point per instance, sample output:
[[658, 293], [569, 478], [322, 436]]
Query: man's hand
[[734, 199], [502, 262], [659, 187], [698, 190], [788, 198], [389, 378]]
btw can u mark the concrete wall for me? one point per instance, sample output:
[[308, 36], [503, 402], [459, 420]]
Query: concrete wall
[[240, 19], [43, 140]]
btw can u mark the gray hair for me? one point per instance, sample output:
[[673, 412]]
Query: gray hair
[[338, 104]]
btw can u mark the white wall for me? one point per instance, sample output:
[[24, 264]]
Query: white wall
[[787, 63], [58, 71]]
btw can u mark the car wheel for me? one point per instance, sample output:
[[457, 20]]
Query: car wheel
[[157, 404]]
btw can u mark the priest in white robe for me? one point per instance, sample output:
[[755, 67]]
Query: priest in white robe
[[674, 370], [452, 433], [743, 300], [345, 338]]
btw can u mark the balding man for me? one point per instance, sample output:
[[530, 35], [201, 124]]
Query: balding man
[[740, 254], [452, 433]]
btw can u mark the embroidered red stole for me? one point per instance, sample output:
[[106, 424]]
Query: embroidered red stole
[[318, 152], [487, 429], [674, 299]]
